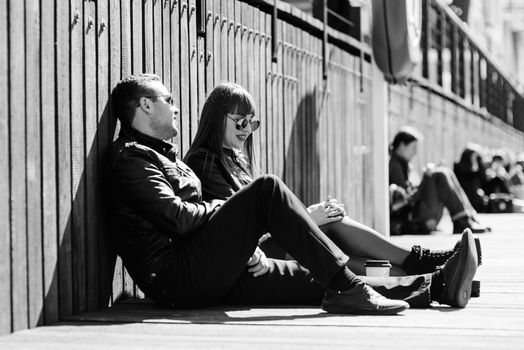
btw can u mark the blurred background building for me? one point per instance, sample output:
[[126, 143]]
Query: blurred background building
[[498, 26]]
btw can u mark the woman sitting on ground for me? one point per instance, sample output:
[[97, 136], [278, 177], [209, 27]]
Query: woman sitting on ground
[[221, 155]]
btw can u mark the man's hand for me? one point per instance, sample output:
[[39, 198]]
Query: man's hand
[[326, 212], [258, 263]]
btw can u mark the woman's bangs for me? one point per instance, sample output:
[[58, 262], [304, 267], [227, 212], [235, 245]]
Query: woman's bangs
[[241, 102]]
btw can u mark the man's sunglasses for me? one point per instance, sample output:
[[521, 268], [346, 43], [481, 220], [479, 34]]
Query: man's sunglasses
[[168, 98], [241, 124]]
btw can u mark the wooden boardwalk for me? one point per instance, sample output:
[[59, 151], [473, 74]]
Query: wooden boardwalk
[[493, 321]]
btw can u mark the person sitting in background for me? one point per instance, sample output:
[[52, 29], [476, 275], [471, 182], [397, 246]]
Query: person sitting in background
[[516, 175], [418, 209], [471, 174], [498, 180]]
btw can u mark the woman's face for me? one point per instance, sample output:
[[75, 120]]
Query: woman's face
[[235, 136], [407, 151]]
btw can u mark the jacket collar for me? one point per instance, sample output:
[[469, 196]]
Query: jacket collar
[[158, 145], [229, 152]]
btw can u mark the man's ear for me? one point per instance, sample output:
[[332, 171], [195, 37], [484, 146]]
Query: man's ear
[[145, 104]]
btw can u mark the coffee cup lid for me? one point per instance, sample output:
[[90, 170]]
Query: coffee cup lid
[[377, 263]]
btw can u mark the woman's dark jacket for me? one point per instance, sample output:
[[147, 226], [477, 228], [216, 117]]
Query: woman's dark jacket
[[220, 180]]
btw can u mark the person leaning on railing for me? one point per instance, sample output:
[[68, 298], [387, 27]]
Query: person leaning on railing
[[418, 209]]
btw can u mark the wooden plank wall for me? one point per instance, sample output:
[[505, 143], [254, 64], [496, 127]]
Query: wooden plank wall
[[58, 64], [447, 126]]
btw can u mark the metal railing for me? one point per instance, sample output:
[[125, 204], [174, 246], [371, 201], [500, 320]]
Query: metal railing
[[454, 63]]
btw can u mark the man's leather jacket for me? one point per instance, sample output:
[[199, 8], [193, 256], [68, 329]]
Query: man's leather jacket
[[156, 201]]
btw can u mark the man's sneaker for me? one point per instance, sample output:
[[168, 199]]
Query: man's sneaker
[[361, 300], [458, 273]]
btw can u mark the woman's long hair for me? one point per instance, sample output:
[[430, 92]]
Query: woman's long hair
[[465, 158], [225, 98]]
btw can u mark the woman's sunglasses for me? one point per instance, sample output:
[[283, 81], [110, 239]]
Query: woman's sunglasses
[[243, 123]]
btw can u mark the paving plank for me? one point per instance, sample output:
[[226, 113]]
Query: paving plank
[[493, 319]]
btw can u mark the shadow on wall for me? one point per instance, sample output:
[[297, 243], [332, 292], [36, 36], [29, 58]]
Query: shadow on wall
[[302, 162], [82, 279]]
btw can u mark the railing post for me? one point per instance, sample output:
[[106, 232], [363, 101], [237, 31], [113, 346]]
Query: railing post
[[441, 20], [201, 17], [324, 38], [426, 37], [274, 33], [454, 60]]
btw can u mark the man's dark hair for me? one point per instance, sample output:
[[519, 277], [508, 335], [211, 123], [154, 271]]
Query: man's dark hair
[[127, 93]]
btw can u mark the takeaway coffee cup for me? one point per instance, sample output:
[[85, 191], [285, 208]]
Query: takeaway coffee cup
[[377, 268]]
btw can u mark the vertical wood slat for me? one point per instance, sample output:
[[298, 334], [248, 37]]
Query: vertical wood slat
[[237, 30], [223, 25], [125, 37], [185, 52], [49, 182], [209, 58], [131, 46], [166, 43], [287, 171], [257, 140], [106, 255], [193, 69], [18, 185], [309, 115], [125, 283], [280, 130], [5, 223], [248, 21], [215, 19], [165, 31], [175, 62], [201, 74], [137, 37], [128, 287], [115, 74], [300, 131], [269, 94], [91, 153], [230, 29], [149, 61], [33, 164], [78, 160], [64, 159], [262, 115], [157, 38]]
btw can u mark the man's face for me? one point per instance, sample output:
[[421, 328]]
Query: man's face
[[163, 117]]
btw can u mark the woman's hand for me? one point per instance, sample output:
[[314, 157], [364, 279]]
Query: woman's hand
[[326, 212], [258, 263]]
